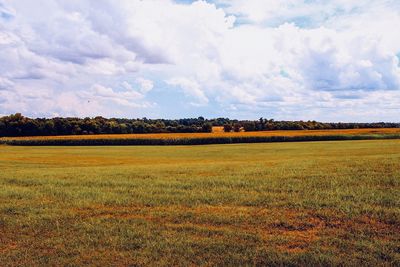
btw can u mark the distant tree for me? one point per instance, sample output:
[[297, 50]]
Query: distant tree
[[123, 128], [76, 130], [249, 126], [227, 128], [138, 127], [18, 125], [49, 127], [206, 128], [159, 127], [237, 127]]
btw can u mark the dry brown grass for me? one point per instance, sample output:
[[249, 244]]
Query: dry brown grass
[[298, 229]]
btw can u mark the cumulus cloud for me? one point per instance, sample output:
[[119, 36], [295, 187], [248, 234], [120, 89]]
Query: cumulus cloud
[[191, 88], [145, 85], [292, 59], [101, 93], [303, 12], [5, 84]]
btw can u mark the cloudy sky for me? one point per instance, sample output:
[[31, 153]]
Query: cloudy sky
[[328, 60]]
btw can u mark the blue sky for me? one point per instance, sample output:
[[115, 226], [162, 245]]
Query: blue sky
[[331, 60]]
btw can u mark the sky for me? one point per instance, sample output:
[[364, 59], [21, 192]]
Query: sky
[[326, 60]]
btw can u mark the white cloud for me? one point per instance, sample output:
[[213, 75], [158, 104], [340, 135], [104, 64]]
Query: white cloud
[[191, 88], [101, 93], [304, 12], [5, 84], [145, 85], [292, 59]]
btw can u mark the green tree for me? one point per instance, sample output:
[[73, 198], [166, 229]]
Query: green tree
[[237, 127], [206, 128], [228, 128], [249, 126]]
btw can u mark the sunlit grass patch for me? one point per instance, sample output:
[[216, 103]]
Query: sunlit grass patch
[[319, 203]]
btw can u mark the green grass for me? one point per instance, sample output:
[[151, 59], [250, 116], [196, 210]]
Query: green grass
[[318, 203]]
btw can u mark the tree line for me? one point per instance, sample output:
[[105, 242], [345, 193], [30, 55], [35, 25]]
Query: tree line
[[271, 125], [19, 125]]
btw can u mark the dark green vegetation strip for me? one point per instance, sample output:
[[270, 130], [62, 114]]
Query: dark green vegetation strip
[[190, 141], [18, 125], [277, 204]]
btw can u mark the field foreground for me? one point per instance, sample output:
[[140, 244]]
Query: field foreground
[[319, 203]]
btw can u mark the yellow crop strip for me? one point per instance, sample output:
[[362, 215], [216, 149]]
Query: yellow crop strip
[[216, 134]]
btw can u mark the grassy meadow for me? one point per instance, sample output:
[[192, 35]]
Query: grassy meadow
[[312, 203]]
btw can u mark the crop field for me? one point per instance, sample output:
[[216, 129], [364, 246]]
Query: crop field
[[216, 137], [310, 203], [217, 132]]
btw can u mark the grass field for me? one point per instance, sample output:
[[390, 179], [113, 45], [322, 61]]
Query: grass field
[[317, 203]]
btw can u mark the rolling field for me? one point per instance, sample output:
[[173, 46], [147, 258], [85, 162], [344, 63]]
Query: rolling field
[[315, 203]]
